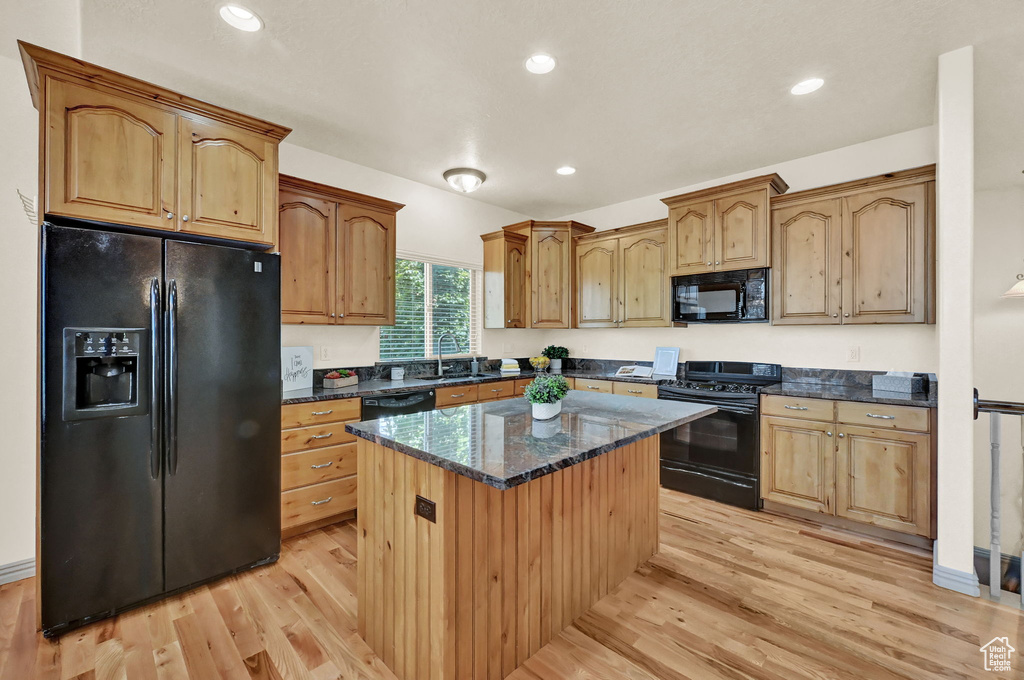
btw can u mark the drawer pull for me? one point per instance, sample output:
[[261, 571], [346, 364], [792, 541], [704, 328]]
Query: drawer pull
[[326, 500], [322, 436], [635, 391], [501, 390], [873, 415], [322, 413], [456, 396], [593, 387], [796, 408], [321, 466]]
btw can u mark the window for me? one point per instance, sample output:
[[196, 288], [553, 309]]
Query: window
[[432, 299]]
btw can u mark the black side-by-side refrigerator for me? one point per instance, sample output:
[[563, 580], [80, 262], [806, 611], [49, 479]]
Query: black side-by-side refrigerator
[[161, 403]]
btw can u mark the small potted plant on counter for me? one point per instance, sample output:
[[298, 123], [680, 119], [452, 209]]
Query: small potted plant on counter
[[340, 378], [556, 354], [546, 393]]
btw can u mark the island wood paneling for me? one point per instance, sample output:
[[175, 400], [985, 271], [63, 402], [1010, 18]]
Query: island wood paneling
[[500, 573]]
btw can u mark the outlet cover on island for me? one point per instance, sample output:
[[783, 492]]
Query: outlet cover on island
[[853, 354]]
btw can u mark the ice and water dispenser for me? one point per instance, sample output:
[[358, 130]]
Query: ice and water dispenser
[[103, 372]]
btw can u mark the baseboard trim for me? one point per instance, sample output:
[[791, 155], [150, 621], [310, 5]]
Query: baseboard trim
[[15, 571], [954, 579]]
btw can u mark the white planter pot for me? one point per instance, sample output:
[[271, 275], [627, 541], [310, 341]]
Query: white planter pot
[[546, 411], [556, 365]]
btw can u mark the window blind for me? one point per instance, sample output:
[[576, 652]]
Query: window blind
[[432, 299]]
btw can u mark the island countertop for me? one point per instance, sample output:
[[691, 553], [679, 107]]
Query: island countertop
[[501, 445]]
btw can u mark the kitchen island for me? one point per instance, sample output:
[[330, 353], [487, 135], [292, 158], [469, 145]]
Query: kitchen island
[[484, 533]]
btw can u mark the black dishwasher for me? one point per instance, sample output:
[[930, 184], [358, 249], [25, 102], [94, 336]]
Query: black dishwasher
[[397, 404]]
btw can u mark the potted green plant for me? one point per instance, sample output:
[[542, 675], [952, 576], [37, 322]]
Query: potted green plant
[[546, 393], [556, 354]]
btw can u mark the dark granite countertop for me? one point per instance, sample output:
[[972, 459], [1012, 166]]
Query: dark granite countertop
[[499, 443], [369, 388], [852, 393]]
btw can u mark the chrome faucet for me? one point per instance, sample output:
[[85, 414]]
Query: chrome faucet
[[458, 350]]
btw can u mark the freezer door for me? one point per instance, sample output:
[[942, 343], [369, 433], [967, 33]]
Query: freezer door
[[100, 488], [222, 487]]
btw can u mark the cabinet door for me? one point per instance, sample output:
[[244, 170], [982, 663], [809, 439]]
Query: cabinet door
[[741, 231], [108, 159], [885, 242], [307, 229], [515, 284], [228, 182], [883, 477], [366, 266], [643, 285], [690, 237], [807, 263], [550, 280], [596, 284], [798, 463]]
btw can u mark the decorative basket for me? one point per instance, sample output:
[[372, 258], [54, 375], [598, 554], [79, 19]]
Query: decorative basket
[[335, 383]]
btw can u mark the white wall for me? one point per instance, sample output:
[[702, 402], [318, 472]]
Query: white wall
[[908, 347], [435, 223], [998, 359]]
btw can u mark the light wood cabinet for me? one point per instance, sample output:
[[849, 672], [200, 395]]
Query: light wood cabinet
[[588, 385], [722, 228], [337, 255], [123, 151], [505, 282], [797, 463], [528, 274], [856, 253], [620, 278], [318, 464], [635, 390], [869, 463]]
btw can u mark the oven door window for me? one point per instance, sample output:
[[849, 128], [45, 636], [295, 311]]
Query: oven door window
[[725, 440], [707, 302]]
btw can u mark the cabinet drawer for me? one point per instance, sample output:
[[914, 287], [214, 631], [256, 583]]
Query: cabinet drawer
[[312, 413], [605, 386], [521, 386], [797, 407], [319, 465], [315, 437], [453, 396], [500, 390], [635, 390], [883, 416], [318, 501]]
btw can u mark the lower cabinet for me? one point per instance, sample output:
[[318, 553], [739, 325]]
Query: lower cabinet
[[822, 456], [318, 464]]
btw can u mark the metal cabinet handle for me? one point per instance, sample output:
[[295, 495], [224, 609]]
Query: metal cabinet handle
[[326, 500], [332, 315], [835, 316], [322, 413], [635, 391], [709, 264], [847, 315], [873, 415], [842, 436], [795, 408], [184, 218], [718, 263], [321, 466], [501, 390], [829, 434], [593, 387], [456, 396], [322, 436], [340, 315], [170, 216]]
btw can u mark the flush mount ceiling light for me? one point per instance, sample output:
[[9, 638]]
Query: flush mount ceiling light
[[807, 86], [566, 170], [465, 180], [241, 18], [540, 64]]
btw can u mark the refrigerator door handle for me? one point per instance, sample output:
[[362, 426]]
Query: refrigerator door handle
[[154, 378], [172, 377]]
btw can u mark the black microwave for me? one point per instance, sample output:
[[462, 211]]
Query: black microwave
[[721, 297]]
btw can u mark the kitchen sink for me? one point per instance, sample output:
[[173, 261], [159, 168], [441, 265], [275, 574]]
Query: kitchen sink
[[452, 376]]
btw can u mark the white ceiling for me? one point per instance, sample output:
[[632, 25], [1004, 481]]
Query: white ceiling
[[649, 95]]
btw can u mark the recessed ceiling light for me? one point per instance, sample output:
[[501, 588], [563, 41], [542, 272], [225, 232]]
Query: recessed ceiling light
[[807, 86], [241, 18], [540, 64], [566, 170], [465, 180]]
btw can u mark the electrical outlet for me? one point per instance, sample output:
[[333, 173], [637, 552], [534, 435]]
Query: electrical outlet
[[508, 348], [584, 350], [325, 353], [853, 354], [426, 509]]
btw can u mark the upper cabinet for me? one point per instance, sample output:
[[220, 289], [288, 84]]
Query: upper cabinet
[[620, 277], [722, 228], [528, 274], [119, 150], [856, 253], [337, 255]]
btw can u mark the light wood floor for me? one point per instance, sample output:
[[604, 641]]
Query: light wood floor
[[732, 594]]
